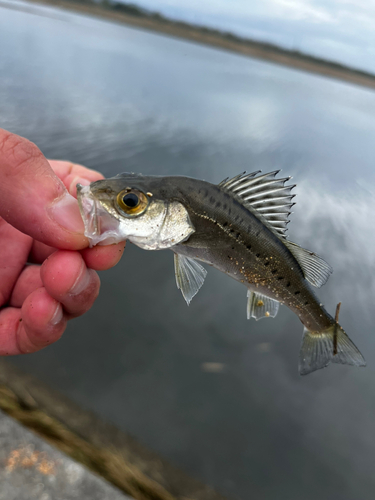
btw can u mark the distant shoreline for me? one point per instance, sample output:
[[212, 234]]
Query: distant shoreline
[[214, 38]]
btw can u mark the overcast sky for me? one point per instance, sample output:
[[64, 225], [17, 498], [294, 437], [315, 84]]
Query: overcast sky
[[340, 30]]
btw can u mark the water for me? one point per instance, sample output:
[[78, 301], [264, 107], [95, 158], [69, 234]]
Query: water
[[119, 99]]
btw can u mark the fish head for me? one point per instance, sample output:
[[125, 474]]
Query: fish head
[[133, 207]]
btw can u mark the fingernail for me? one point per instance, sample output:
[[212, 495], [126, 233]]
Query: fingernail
[[65, 212], [81, 180], [78, 180], [82, 282], [57, 315]]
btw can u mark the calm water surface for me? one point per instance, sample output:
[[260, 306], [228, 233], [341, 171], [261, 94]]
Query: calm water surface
[[118, 99]]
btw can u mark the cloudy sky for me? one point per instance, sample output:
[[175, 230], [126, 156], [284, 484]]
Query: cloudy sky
[[340, 30]]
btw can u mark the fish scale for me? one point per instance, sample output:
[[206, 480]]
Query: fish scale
[[262, 265]]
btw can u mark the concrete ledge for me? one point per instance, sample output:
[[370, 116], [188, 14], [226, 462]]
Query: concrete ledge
[[32, 469], [101, 447]]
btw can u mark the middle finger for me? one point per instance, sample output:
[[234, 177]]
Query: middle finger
[[67, 279]]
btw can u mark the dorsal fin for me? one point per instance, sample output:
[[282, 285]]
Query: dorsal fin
[[270, 200], [315, 269], [265, 196]]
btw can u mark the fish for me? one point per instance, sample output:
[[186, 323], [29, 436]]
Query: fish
[[237, 226]]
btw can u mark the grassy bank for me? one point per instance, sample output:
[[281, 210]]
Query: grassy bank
[[99, 446], [141, 18]]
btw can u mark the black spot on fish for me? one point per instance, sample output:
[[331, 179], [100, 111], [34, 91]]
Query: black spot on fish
[[296, 293], [280, 278], [274, 271], [266, 263], [218, 204], [238, 235], [212, 199], [225, 206], [225, 224], [306, 303], [232, 248], [258, 254], [288, 284], [248, 247]]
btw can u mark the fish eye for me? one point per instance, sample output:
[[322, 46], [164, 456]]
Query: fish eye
[[132, 202]]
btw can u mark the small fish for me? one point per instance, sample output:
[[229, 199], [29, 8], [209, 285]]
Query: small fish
[[237, 226]]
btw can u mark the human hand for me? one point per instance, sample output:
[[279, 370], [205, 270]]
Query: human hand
[[40, 224]]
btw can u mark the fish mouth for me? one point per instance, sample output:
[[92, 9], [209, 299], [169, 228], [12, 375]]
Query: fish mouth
[[100, 227]]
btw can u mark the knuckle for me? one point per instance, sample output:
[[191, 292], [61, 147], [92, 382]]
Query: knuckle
[[16, 150]]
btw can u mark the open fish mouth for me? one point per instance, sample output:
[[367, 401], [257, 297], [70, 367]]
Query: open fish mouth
[[100, 227]]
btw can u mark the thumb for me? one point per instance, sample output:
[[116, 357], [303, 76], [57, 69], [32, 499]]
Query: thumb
[[32, 197]]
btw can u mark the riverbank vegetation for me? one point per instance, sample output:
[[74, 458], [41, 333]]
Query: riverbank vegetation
[[134, 15]]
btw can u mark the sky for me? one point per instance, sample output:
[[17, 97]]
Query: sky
[[339, 30]]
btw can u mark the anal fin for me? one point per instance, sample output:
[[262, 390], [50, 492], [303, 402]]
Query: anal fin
[[260, 306], [189, 276]]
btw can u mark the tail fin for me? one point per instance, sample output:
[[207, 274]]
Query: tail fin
[[321, 348]]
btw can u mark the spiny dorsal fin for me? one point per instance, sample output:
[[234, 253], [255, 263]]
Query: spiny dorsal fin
[[265, 196], [315, 269], [269, 199]]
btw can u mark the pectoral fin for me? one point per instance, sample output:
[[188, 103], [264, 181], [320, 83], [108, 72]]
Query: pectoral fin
[[189, 276], [259, 306]]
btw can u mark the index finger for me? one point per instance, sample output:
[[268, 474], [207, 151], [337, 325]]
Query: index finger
[[72, 174]]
